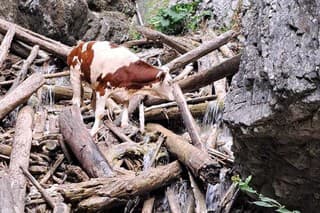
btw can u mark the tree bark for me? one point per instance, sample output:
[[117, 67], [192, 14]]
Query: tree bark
[[24, 70], [198, 161], [82, 145], [6, 196], [20, 156], [98, 194], [158, 36], [200, 51], [33, 38], [20, 94], [203, 78], [187, 116], [6, 43], [172, 113]]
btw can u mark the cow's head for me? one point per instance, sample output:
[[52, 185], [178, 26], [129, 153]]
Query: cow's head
[[164, 87]]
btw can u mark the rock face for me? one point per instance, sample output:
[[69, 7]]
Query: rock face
[[273, 106], [72, 20]]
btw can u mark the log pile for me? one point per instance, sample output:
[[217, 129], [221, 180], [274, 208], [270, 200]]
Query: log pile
[[50, 163]]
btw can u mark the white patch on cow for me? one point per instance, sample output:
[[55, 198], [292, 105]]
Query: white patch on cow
[[108, 60], [84, 47]]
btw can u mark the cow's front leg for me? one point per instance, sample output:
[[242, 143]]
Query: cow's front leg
[[76, 86], [99, 112]]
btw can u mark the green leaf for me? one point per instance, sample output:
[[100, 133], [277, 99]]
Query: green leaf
[[248, 179], [269, 200], [263, 204], [164, 22]]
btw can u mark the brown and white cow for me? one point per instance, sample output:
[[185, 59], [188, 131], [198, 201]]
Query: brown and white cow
[[108, 69]]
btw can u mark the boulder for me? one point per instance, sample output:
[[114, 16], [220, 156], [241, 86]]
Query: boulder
[[71, 20], [273, 106]]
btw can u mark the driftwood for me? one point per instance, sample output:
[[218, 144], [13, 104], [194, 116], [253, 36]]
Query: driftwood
[[6, 196], [148, 205], [24, 70], [20, 94], [160, 37], [200, 51], [6, 43], [99, 193], [57, 205], [65, 93], [117, 131], [50, 75], [198, 196], [33, 38], [172, 200], [173, 113], [198, 161], [187, 116], [140, 42], [201, 79], [20, 156], [82, 145]]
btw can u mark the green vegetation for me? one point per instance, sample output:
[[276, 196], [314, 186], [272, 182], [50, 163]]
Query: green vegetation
[[262, 200], [178, 18]]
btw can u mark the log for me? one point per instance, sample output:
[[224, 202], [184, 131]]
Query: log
[[6, 196], [49, 75], [203, 78], [172, 200], [198, 196], [117, 131], [82, 145], [160, 37], [198, 161], [65, 93], [32, 38], [20, 156], [148, 205], [187, 116], [57, 205], [6, 43], [173, 113], [200, 51], [98, 194], [20, 94], [24, 69]]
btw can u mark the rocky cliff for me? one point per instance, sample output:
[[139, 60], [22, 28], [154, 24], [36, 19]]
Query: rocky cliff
[[273, 105], [72, 20]]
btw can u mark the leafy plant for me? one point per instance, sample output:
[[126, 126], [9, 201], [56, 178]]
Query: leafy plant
[[262, 201], [178, 18]]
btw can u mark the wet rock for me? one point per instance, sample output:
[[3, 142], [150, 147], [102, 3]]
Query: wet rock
[[124, 6], [273, 105], [71, 20], [112, 26]]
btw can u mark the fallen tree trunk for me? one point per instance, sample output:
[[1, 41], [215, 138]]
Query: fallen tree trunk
[[82, 145], [24, 69], [200, 51], [6, 196], [5, 44], [20, 94], [198, 161], [20, 156], [98, 194], [158, 36], [188, 120], [65, 93], [201, 79], [172, 113], [33, 38]]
